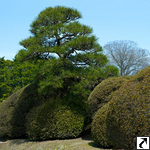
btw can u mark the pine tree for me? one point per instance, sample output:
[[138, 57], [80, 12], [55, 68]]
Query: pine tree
[[57, 30]]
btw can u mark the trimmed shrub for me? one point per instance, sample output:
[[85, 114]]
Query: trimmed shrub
[[14, 109], [99, 128], [129, 114], [6, 110], [144, 73], [55, 120], [102, 92]]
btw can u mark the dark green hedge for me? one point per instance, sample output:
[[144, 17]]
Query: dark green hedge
[[55, 120], [14, 109], [127, 114]]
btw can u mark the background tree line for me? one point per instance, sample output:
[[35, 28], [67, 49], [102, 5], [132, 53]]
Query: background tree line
[[14, 76]]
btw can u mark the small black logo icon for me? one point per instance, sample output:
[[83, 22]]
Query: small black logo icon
[[143, 142]]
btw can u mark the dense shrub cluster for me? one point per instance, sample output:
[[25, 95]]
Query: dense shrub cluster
[[121, 105], [26, 113], [126, 115]]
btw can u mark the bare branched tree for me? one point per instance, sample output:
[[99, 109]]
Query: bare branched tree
[[127, 56]]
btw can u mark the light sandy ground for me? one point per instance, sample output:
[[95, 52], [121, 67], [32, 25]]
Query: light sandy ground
[[70, 144]]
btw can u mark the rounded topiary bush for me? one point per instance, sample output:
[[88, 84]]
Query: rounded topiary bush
[[102, 92], [129, 114], [6, 109], [99, 128], [143, 73], [14, 109], [55, 120]]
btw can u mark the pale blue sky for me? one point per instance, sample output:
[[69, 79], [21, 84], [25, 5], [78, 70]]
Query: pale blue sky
[[110, 19]]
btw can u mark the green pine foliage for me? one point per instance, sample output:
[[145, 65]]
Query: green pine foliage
[[57, 30]]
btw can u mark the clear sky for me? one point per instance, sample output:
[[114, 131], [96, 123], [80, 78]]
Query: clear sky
[[110, 19]]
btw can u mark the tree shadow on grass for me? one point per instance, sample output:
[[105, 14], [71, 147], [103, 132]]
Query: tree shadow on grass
[[20, 141], [88, 136]]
